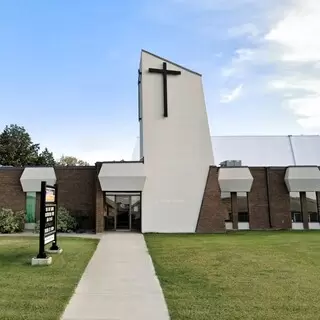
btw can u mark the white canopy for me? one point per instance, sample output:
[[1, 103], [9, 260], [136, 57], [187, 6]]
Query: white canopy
[[302, 179], [235, 179], [122, 176], [31, 178]]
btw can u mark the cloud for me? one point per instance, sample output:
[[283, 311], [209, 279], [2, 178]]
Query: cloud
[[231, 96], [295, 33], [238, 62], [282, 56], [247, 29], [271, 46], [298, 61]]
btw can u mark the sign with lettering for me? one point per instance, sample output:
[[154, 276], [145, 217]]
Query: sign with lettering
[[48, 219]]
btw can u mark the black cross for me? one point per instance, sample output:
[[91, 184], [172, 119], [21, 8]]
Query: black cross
[[165, 72]]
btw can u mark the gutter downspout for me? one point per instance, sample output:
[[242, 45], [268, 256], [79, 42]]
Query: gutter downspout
[[292, 151]]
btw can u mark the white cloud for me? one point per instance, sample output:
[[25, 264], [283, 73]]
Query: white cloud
[[296, 33], [237, 64], [244, 54], [307, 110], [289, 53], [228, 72], [298, 61], [247, 29], [231, 96], [278, 49]]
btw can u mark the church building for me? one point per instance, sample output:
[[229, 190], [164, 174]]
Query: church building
[[181, 180]]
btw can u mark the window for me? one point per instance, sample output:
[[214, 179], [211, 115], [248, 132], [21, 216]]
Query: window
[[295, 207], [31, 199], [226, 201], [312, 205], [110, 209], [243, 211]]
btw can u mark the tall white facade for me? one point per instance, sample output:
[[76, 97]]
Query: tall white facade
[[177, 149]]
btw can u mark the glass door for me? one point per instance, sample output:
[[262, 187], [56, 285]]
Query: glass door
[[135, 212], [122, 211], [110, 212]]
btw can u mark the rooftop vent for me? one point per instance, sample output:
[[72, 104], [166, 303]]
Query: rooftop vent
[[231, 163]]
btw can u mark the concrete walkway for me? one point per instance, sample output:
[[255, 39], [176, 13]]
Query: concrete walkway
[[60, 234], [119, 283]]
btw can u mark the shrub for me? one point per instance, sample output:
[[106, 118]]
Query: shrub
[[65, 222], [21, 219], [11, 221]]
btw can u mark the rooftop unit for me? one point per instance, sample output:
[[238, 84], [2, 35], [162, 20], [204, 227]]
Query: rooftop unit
[[231, 163]]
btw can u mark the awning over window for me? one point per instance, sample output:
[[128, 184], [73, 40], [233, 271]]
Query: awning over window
[[122, 176], [31, 178], [302, 179], [235, 179]]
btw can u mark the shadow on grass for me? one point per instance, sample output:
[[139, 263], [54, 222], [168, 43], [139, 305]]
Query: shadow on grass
[[17, 258]]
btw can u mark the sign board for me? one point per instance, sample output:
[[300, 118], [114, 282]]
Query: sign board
[[50, 194], [48, 218]]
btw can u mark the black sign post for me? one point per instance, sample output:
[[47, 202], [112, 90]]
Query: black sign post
[[48, 219]]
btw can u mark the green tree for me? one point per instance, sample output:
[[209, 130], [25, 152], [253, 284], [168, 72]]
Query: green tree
[[46, 158], [71, 161], [17, 149]]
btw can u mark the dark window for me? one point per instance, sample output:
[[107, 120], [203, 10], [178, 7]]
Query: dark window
[[295, 207], [226, 202], [243, 211], [110, 212], [243, 217], [312, 205]]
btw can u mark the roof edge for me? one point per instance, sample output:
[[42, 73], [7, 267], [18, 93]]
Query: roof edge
[[171, 62]]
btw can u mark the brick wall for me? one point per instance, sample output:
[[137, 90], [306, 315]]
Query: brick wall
[[99, 202], [76, 192], [269, 202], [212, 212], [76, 186], [11, 194], [258, 200], [80, 192], [279, 199]]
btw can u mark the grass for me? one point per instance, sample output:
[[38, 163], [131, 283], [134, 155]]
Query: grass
[[39, 292], [246, 275]]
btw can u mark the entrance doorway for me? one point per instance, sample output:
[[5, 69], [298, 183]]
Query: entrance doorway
[[122, 211]]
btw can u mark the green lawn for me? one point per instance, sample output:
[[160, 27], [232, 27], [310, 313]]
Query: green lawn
[[39, 292], [247, 275]]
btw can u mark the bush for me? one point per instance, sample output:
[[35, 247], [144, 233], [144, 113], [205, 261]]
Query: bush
[[65, 222], [21, 219], [11, 221]]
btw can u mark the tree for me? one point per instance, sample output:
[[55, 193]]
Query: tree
[[46, 158], [71, 161], [17, 149]]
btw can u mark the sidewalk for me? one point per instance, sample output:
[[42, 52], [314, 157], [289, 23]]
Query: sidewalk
[[60, 234], [119, 283]]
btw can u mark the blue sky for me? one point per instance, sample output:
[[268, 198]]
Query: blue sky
[[68, 69]]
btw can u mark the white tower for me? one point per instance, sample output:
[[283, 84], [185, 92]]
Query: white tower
[[175, 145]]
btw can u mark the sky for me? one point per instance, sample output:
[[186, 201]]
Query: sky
[[68, 69]]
